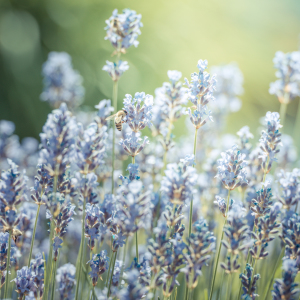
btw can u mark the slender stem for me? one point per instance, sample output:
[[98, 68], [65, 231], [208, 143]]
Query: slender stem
[[81, 248], [191, 204], [266, 170], [228, 287], [53, 280], [283, 108], [112, 273], [108, 273], [220, 246], [33, 234], [186, 293], [297, 125], [115, 103], [7, 264], [167, 141], [52, 225], [274, 272], [195, 143], [124, 257], [137, 247]]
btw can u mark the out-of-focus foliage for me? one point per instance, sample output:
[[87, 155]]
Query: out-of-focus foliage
[[175, 35]]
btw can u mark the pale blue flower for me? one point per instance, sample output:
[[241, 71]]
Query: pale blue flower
[[115, 70], [104, 110], [231, 168], [286, 285], [62, 84], [65, 278], [178, 183], [90, 148], [139, 111], [228, 88], [133, 144], [123, 29], [287, 87], [200, 93], [24, 282]]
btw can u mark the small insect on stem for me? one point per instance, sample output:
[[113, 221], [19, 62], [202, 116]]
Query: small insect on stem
[[119, 118]]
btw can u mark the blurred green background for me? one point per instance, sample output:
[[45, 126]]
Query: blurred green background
[[176, 34]]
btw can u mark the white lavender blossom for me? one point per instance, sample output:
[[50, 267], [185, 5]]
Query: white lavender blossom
[[200, 245], [170, 97], [270, 140], [231, 168], [200, 93], [287, 87], [115, 70], [123, 29], [58, 140], [139, 111], [228, 88], [104, 110], [133, 144], [90, 148], [62, 84], [178, 183], [290, 186]]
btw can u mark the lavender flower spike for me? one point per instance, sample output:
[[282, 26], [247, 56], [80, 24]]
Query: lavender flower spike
[[270, 140], [133, 144], [65, 279], [231, 168], [62, 84], [287, 87], [24, 282], [123, 29], [286, 286], [200, 93], [139, 111], [115, 70]]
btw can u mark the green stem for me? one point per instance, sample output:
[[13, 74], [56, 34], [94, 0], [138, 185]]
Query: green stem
[[186, 293], [53, 280], [266, 170], [108, 273], [191, 204], [115, 103], [297, 125], [195, 143], [124, 257], [112, 273], [219, 251], [7, 264], [167, 140], [228, 287], [33, 234], [137, 247], [274, 272], [52, 226], [282, 113], [81, 248]]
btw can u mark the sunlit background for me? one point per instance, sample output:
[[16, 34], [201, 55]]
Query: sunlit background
[[176, 34]]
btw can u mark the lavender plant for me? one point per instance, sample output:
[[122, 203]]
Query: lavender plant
[[109, 227], [286, 88]]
